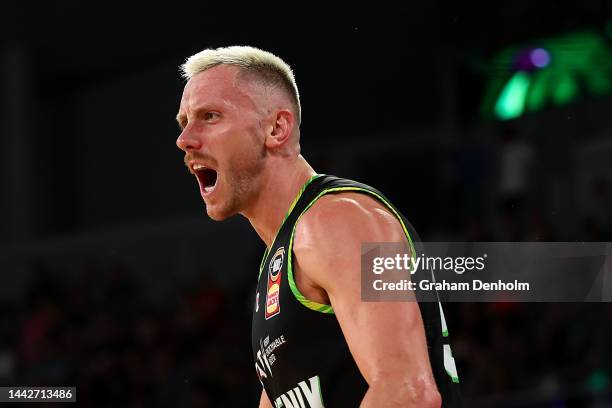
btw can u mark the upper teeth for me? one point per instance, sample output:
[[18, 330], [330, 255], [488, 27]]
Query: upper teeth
[[198, 167]]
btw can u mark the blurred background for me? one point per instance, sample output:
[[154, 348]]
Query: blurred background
[[481, 121]]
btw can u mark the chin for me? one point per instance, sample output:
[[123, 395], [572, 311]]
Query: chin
[[218, 214]]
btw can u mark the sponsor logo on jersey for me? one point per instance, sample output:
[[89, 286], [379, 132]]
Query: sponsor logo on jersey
[[307, 394], [265, 358], [276, 264], [272, 301], [274, 280], [262, 364]]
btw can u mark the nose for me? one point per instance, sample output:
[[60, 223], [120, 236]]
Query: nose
[[188, 141]]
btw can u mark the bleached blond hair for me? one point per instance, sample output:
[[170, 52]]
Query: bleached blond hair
[[264, 65]]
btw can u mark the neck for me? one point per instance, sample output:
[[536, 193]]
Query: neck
[[278, 190]]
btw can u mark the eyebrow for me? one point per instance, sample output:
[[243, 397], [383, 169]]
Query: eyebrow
[[180, 118]]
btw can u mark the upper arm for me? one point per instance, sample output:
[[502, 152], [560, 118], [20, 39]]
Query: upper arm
[[386, 339], [264, 401]]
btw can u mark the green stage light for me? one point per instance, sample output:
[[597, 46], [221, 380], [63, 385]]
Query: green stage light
[[554, 71], [511, 101]]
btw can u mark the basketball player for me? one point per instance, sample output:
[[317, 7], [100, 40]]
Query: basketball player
[[315, 343]]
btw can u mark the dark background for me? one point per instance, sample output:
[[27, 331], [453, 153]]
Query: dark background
[[115, 281]]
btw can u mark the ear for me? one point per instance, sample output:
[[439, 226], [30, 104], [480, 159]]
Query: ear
[[279, 131]]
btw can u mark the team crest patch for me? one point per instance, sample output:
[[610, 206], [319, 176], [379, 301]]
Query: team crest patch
[[274, 280]]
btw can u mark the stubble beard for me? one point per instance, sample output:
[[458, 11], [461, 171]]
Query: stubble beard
[[241, 186]]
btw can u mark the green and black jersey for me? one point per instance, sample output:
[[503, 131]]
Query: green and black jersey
[[301, 356]]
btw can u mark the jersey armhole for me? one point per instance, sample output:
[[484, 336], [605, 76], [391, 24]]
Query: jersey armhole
[[310, 304]]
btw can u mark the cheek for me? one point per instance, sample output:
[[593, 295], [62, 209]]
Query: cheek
[[248, 139], [238, 145], [257, 140]]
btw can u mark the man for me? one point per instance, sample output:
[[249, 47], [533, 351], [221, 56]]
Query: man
[[314, 341]]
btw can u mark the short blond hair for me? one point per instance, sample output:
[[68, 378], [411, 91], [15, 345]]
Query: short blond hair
[[267, 67]]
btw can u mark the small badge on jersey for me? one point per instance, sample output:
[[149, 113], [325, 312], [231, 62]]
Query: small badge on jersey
[[257, 302], [274, 280]]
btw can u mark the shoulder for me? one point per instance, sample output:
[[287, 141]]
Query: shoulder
[[329, 235], [352, 214]]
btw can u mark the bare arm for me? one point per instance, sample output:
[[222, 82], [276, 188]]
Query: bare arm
[[386, 339], [264, 402]]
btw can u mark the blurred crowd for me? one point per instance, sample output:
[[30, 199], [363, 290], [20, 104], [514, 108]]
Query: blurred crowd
[[96, 330], [556, 353]]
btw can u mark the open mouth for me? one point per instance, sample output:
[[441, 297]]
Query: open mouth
[[207, 178]]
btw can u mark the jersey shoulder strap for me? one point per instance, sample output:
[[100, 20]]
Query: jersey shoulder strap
[[325, 184]]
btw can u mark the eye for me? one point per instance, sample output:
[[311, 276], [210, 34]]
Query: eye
[[211, 116]]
